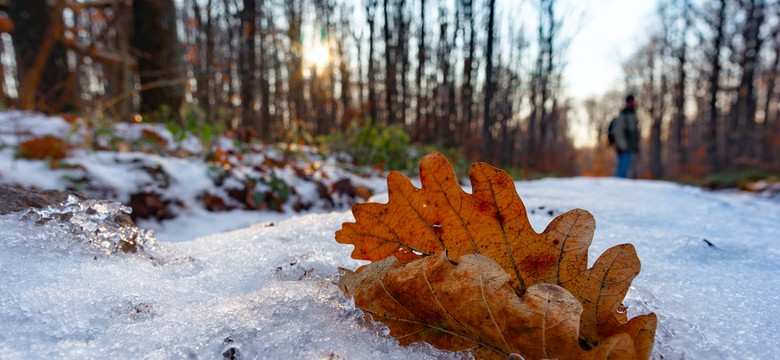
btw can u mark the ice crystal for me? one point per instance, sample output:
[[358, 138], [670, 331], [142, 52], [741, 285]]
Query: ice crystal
[[103, 225]]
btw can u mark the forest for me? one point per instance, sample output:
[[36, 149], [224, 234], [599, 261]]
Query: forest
[[467, 75]]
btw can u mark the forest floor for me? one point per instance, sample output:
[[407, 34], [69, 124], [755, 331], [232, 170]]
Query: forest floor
[[256, 278]]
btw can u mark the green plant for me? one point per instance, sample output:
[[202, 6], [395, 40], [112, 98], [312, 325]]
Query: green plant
[[372, 144], [162, 115], [206, 133], [279, 187], [737, 179], [177, 132]]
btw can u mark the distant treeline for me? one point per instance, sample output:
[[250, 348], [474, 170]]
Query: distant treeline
[[707, 84], [456, 73]]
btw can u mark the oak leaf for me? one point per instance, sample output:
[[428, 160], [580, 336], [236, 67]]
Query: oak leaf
[[492, 221], [470, 306], [46, 147]]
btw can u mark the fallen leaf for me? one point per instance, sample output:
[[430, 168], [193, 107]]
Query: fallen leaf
[[492, 221], [44, 148], [471, 306]]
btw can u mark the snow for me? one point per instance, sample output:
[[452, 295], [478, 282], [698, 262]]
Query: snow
[[20, 171], [713, 302], [16, 123], [267, 289], [181, 180]]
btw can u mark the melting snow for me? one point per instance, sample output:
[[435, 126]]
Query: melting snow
[[267, 291], [710, 269]]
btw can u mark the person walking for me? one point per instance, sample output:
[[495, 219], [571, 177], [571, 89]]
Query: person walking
[[626, 133]]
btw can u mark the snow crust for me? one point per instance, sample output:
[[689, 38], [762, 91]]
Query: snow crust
[[183, 180], [266, 291], [710, 267]]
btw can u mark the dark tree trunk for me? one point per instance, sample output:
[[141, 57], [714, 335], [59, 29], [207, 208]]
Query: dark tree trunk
[[372, 101], [714, 87], [295, 97], [265, 120], [421, 124], [390, 67], [157, 46], [403, 57], [345, 71], [769, 128], [451, 110], [487, 122], [441, 130], [210, 75], [46, 82], [743, 122], [249, 64], [656, 110], [468, 69], [273, 61], [679, 128], [545, 121]]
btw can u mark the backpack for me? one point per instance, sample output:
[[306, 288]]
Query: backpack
[[611, 132]]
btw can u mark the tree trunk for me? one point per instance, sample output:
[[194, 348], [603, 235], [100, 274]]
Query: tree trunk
[[156, 42], [371, 17], [468, 69], [295, 97], [441, 130], [421, 125], [545, 122], [769, 125], [210, 75], [487, 123], [249, 64], [403, 56], [743, 122], [46, 82], [678, 132], [714, 87], [390, 67], [267, 132], [451, 115], [656, 111]]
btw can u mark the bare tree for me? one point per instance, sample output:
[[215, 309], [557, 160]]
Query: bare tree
[[294, 55], [46, 81], [487, 120], [718, 26], [390, 71], [249, 62], [156, 43], [679, 154], [371, 7], [467, 98], [743, 124], [421, 123]]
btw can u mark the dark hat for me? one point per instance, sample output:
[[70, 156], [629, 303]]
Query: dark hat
[[629, 97]]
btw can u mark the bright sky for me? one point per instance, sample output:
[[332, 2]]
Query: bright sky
[[610, 31]]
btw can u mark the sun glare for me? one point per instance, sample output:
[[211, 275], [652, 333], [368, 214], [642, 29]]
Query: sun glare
[[317, 56]]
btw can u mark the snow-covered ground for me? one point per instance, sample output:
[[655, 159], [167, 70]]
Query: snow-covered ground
[[180, 180], [266, 291], [710, 268]]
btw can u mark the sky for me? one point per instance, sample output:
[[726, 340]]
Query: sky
[[610, 31]]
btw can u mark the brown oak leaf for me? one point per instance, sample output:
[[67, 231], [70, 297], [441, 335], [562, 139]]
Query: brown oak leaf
[[43, 148], [492, 221], [471, 306]]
